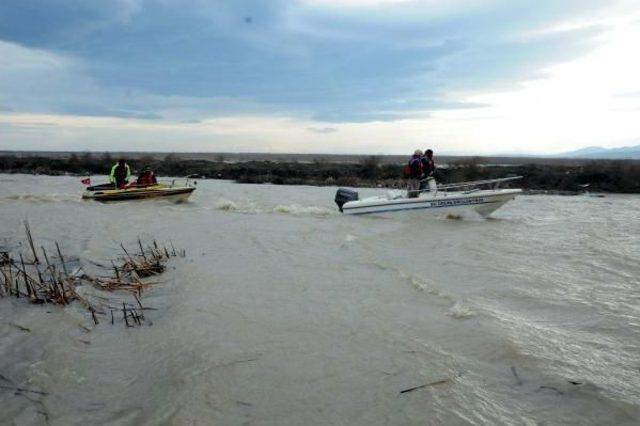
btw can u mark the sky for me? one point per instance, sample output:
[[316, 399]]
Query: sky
[[319, 76]]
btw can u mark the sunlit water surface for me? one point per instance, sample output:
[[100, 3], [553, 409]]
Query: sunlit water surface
[[286, 312]]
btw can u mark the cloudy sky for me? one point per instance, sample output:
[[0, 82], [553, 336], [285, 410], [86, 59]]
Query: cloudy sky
[[319, 76]]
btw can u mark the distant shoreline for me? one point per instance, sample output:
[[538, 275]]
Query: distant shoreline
[[568, 176], [242, 157]]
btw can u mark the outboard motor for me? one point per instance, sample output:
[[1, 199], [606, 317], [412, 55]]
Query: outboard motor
[[345, 195]]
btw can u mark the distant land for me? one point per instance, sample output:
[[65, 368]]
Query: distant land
[[559, 175], [573, 158], [597, 152]]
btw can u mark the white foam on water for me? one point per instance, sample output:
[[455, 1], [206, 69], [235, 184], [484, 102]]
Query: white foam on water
[[251, 207], [226, 205], [246, 207], [296, 209], [40, 198], [461, 310], [426, 286]]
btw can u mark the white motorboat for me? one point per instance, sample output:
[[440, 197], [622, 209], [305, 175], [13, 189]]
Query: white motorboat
[[442, 199]]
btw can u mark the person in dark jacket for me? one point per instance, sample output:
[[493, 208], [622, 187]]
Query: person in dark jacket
[[428, 165], [415, 174], [428, 168]]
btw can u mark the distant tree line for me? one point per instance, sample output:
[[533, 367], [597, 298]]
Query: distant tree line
[[598, 175]]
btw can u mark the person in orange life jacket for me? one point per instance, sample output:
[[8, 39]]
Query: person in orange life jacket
[[147, 177], [415, 174], [428, 168]]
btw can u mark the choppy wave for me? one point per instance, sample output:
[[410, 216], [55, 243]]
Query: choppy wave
[[418, 283], [303, 210], [246, 207], [249, 207], [39, 198], [461, 310]]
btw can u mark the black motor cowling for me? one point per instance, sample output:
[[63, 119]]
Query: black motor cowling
[[345, 195]]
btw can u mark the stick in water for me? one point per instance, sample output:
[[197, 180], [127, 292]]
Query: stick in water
[[439, 382]]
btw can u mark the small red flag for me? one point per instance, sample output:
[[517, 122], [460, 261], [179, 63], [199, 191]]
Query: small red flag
[[86, 181]]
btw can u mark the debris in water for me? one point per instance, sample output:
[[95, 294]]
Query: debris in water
[[439, 382], [550, 388], [515, 374], [23, 390], [20, 327]]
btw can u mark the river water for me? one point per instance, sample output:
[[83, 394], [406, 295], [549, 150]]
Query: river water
[[286, 312]]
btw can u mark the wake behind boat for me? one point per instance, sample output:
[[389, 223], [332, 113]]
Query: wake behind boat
[[108, 192], [447, 199]]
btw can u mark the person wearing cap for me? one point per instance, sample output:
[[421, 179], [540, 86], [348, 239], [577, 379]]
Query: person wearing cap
[[415, 174], [120, 174], [147, 177]]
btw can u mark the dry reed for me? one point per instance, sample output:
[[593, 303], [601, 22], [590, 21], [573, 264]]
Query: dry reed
[[53, 283]]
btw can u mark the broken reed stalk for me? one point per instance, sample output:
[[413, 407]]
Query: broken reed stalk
[[30, 293], [115, 269], [27, 229], [141, 250], [46, 258], [64, 266]]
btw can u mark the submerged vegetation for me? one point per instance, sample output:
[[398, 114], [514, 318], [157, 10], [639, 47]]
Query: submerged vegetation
[[595, 175], [48, 278]]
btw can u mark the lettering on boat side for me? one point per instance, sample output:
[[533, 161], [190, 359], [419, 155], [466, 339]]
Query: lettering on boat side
[[457, 202]]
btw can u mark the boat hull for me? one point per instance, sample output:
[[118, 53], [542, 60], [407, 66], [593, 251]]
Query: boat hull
[[175, 194], [483, 202]]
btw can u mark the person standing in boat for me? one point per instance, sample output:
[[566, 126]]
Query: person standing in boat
[[428, 168], [120, 174], [428, 165], [414, 174]]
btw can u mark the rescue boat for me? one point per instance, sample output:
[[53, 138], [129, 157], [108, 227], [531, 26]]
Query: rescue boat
[[108, 192], [442, 199]]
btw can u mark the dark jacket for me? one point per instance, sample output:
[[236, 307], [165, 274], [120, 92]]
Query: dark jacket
[[428, 165], [415, 167]]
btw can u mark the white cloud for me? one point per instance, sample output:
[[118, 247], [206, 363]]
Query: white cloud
[[577, 104], [355, 3], [431, 5]]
